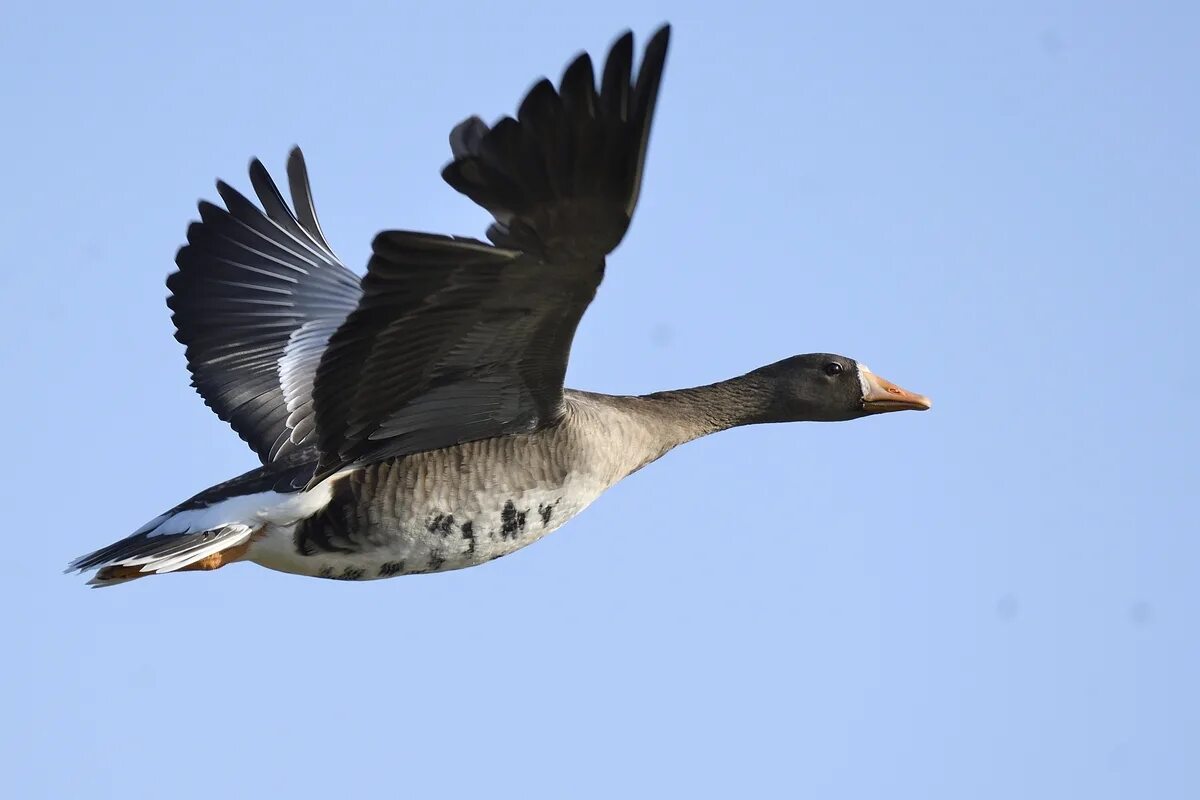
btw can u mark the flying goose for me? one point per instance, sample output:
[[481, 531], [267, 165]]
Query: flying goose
[[415, 420]]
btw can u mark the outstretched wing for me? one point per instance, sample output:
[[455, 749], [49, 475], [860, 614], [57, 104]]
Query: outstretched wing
[[257, 296], [455, 340]]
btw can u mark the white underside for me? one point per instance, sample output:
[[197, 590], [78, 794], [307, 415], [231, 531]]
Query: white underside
[[250, 510]]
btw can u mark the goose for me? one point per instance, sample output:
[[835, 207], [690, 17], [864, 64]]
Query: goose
[[415, 420]]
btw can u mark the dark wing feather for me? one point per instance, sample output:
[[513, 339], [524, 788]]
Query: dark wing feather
[[563, 178], [455, 340], [256, 298]]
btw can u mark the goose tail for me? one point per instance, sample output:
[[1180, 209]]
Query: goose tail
[[154, 551]]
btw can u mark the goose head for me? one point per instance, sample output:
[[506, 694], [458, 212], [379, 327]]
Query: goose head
[[824, 387]]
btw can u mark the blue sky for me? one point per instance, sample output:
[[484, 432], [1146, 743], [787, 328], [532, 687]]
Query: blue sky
[[998, 599]]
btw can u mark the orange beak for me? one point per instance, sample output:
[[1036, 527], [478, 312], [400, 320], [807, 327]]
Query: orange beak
[[880, 396]]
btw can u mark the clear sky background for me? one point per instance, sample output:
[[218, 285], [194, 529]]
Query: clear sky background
[[997, 599]]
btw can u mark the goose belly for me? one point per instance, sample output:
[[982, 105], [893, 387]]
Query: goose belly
[[367, 533]]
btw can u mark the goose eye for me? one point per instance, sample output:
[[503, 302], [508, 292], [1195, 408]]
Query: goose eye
[[833, 368]]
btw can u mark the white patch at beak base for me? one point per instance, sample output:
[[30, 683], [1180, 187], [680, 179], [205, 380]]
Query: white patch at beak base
[[863, 372]]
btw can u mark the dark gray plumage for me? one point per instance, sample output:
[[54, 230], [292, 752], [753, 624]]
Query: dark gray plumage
[[416, 421], [455, 340], [257, 296]]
